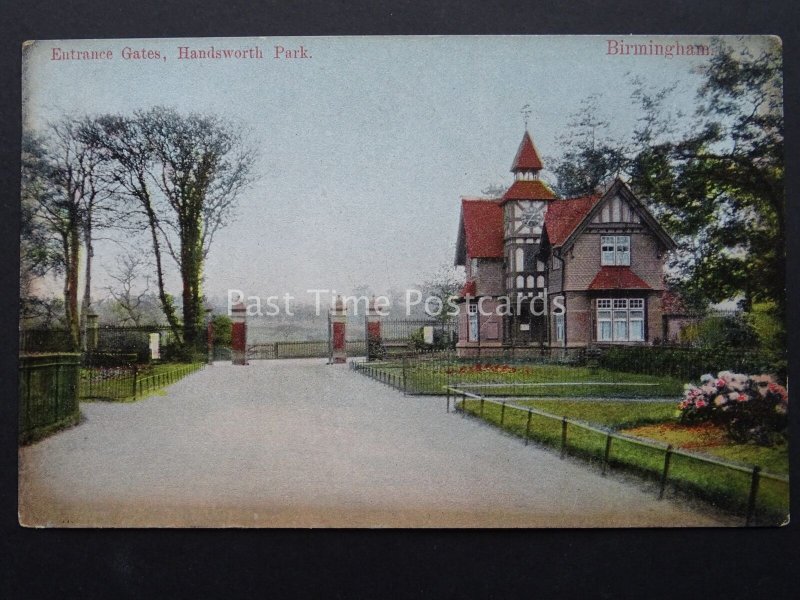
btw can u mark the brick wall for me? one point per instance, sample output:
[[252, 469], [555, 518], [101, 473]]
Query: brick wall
[[490, 277], [582, 261]]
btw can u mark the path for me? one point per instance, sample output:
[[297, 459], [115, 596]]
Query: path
[[297, 443]]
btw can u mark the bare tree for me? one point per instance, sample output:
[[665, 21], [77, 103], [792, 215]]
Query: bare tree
[[59, 204], [128, 272]]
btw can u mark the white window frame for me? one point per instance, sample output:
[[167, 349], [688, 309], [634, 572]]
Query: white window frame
[[615, 250], [473, 267], [559, 321], [473, 325], [617, 318]]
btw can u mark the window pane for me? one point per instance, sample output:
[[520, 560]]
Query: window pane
[[620, 303], [607, 258], [604, 331], [637, 303], [620, 330], [637, 314], [519, 261], [604, 314], [473, 328], [604, 303], [637, 331]]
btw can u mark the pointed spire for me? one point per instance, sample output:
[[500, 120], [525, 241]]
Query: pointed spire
[[527, 159]]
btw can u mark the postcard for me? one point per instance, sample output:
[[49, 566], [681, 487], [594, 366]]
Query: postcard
[[411, 281]]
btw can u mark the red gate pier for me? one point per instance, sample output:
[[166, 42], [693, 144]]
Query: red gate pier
[[239, 334], [338, 316]]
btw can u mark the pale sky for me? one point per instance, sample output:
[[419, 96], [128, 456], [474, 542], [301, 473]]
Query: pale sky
[[366, 146]]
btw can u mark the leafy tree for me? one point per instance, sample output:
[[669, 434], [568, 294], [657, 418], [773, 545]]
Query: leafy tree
[[223, 326], [61, 188], [716, 182], [185, 173]]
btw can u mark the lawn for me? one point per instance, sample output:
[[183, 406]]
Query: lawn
[[725, 487], [531, 379], [119, 384]]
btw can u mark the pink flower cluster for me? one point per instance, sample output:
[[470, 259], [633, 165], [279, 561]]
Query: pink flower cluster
[[750, 407]]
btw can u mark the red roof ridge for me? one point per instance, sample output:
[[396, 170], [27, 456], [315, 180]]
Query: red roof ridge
[[528, 189], [564, 215], [527, 157], [617, 277], [483, 228]]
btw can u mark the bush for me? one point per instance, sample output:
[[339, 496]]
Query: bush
[[687, 363], [721, 332], [115, 359], [750, 408]]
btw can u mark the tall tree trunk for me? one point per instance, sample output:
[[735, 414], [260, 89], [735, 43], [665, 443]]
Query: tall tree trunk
[[72, 269], [87, 287]]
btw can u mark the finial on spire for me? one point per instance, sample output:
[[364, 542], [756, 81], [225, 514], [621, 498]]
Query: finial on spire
[[526, 113]]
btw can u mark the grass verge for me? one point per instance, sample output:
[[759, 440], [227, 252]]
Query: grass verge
[[726, 488], [545, 380], [129, 388]]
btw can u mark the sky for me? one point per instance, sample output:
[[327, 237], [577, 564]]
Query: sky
[[364, 146]]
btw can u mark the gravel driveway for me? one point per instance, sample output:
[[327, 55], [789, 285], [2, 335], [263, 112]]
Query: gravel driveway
[[297, 443]]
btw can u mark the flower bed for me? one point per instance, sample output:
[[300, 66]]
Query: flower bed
[[750, 408]]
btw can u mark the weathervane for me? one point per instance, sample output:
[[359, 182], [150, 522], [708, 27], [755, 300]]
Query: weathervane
[[526, 113]]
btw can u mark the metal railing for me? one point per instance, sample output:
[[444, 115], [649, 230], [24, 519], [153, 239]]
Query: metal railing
[[130, 383], [47, 393], [732, 486]]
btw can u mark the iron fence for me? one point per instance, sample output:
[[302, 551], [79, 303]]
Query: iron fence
[[103, 343], [641, 372], [761, 497], [130, 382], [303, 349], [48, 396]]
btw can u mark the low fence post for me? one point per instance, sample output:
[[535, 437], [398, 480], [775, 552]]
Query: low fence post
[[528, 426], [563, 436], [751, 502], [665, 472], [607, 452], [135, 374], [482, 406], [502, 414], [463, 405]]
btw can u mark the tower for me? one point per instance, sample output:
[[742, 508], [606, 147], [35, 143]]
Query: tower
[[524, 208]]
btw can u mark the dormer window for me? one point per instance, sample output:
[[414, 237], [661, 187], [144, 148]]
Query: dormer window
[[615, 250]]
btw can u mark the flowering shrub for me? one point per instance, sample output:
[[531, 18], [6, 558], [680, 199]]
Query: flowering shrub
[[750, 408]]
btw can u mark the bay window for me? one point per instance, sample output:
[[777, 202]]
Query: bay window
[[620, 320]]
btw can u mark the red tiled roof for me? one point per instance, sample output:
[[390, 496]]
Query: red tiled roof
[[483, 227], [528, 190], [527, 157], [468, 289], [617, 278], [563, 216]]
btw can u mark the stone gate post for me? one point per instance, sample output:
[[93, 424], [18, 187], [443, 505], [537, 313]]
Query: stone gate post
[[339, 331], [239, 334]]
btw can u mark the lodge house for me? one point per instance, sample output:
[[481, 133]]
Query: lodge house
[[552, 273]]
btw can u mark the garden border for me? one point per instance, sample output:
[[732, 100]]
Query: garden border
[[755, 472]]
